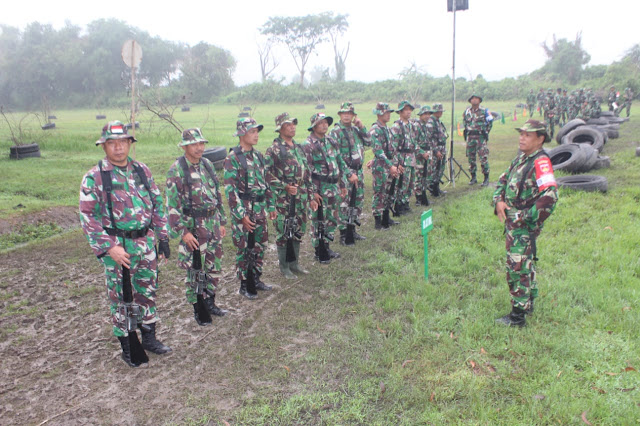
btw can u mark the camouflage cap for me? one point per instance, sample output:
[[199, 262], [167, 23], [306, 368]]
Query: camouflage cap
[[612, 87], [284, 118], [549, 90], [404, 104], [191, 136], [114, 130], [382, 108], [244, 124], [317, 118], [437, 107], [535, 126], [426, 109], [347, 107], [474, 96]]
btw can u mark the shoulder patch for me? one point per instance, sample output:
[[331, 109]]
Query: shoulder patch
[[544, 173]]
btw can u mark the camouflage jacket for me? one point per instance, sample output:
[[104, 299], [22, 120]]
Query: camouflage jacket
[[628, 95], [564, 102], [531, 99], [550, 103], [134, 208], [324, 162], [528, 187], [205, 196], [404, 137], [253, 180], [382, 145], [422, 141], [613, 96], [541, 96], [475, 122], [285, 166], [436, 133], [351, 142]]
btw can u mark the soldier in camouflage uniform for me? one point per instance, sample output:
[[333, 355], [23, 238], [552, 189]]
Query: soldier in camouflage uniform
[[329, 184], [564, 108], [384, 167], [550, 111], [477, 125], [585, 111], [573, 106], [352, 138], [628, 98], [612, 98], [531, 102], [122, 219], [404, 135], [541, 100], [422, 155], [288, 174], [437, 139], [250, 199], [581, 96], [526, 196], [196, 216]]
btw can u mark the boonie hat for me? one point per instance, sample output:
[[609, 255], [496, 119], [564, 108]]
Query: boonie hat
[[474, 96], [382, 108], [437, 107], [244, 124], [114, 130], [317, 118], [535, 126], [426, 109], [284, 118], [347, 107], [403, 104], [191, 136]]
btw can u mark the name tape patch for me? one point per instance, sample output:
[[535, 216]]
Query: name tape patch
[[544, 174]]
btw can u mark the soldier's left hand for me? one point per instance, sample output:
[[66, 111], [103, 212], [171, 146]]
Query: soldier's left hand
[[314, 205], [357, 122], [223, 232], [273, 215], [343, 192], [425, 155], [318, 198], [369, 164]]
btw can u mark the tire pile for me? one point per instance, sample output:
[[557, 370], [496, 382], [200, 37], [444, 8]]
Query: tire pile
[[581, 145]]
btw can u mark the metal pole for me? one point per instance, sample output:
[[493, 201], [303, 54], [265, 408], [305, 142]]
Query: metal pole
[[133, 96], [453, 98]]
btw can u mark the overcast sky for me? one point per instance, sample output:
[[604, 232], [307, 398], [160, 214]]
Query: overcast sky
[[495, 38]]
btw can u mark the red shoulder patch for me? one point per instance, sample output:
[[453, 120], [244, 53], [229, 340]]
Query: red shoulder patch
[[544, 173]]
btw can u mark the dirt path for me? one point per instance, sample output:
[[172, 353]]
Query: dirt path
[[65, 217]]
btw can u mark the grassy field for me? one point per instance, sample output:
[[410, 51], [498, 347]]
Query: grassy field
[[365, 340]]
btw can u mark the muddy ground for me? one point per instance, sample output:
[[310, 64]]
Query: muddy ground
[[66, 217]]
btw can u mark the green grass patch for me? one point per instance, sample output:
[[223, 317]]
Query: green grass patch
[[28, 233]]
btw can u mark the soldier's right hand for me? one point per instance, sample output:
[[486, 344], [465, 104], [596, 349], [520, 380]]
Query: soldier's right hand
[[190, 241], [439, 155], [393, 171], [401, 169], [501, 206], [291, 189], [353, 179], [120, 256], [248, 225]]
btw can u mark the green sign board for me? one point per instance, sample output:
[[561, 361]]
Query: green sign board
[[426, 222]]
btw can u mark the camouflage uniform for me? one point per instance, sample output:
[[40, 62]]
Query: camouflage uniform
[[564, 108], [422, 147], [437, 140], [197, 209], [628, 98], [326, 177], [613, 97], [405, 137], [351, 142], [529, 188], [248, 194], [572, 106], [550, 111], [541, 100], [477, 125], [133, 209], [531, 102]]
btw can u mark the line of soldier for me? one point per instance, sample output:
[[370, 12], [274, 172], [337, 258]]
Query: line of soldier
[[128, 226]]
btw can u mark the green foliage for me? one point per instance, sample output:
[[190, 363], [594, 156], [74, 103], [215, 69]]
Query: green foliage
[[28, 233], [565, 59], [206, 72]]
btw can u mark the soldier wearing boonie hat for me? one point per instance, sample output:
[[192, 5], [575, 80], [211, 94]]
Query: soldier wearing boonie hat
[[526, 196], [423, 153], [250, 200], [437, 139], [477, 124], [352, 137], [550, 110], [328, 181], [197, 217], [404, 135], [288, 175], [122, 215]]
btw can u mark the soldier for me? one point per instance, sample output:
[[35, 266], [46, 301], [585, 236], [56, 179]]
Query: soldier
[[250, 199], [585, 111], [550, 111], [612, 98], [628, 98], [573, 106], [384, 167], [531, 102], [437, 139], [329, 186], [541, 100], [422, 155], [196, 216], [404, 137], [477, 125], [526, 196], [564, 108], [581, 96], [122, 216], [289, 177]]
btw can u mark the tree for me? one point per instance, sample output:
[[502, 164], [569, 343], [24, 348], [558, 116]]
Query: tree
[[565, 59], [337, 28], [206, 71], [268, 62]]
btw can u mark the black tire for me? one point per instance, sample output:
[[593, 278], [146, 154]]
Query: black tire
[[18, 152], [186, 109], [598, 121], [215, 154], [567, 157], [638, 151], [615, 120], [163, 115], [247, 108], [602, 162], [611, 127], [243, 114], [52, 117], [219, 165], [584, 183], [101, 117], [586, 134], [613, 134], [320, 106], [573, 124], [496, 115], [606, 113], [49, 126], [590, 157], [605, 135]]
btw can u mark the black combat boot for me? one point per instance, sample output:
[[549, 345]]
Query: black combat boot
[[260, 285], [516, 318], [244, 292], [358, 237], [317, 256], [149, 341], [418, 200], [333, 254], [486, 180], [378, 225], [398, 210], [529, 310], [425, 200], [201, 321], [126, 351], [210, 303], [406, 208], [343, 235], [473, 180]]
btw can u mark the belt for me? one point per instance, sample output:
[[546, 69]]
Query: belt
[[406, 151], [326, 179], [137, 233], [248, 196], [358, 167], [474, 133], [199, 212]]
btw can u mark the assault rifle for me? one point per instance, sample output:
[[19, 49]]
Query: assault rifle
[[352, 218], [395, 195], [323, 252], [250, 254], [291, 231], [198, 282], [131, 315], [389, 203]]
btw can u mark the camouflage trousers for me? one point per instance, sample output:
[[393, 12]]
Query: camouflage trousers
[[408, 183], [422, 169], [478, 145], [540, 108], [436, 167], [240, 236], [381, 182], [531, 107], [521, 266], [330, 206], [211, 259], [282, 208], [627, 105], [344, 205], [144, 284]]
